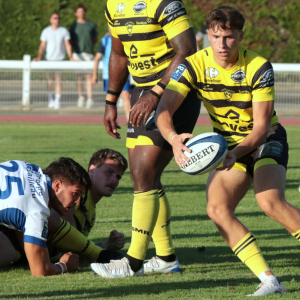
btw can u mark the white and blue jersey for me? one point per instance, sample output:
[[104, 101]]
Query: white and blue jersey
[[24, 199]]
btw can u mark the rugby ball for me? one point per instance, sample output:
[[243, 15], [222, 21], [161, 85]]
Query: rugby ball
[[208, 151]]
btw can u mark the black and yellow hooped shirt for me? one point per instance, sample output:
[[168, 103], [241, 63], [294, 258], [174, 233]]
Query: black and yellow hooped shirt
[[145, 28], [227, 94]]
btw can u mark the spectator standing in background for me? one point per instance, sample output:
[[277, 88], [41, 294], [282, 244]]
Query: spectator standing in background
[[56, 41], [84, 36], [203, 36], [104, 53]]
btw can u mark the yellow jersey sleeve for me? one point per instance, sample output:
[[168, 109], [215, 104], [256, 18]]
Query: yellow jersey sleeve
[[110, 20], [263, 84], [172, 17]]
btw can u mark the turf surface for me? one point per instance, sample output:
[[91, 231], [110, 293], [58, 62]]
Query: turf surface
[[214, 273]]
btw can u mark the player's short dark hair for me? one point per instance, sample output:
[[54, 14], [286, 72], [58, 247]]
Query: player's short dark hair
[[226, 17], [66, 168], [80, 5], [99, 157]]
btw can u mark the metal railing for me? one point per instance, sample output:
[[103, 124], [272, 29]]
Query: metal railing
[[24, 84]]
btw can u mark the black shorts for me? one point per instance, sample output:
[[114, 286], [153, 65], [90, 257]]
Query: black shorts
[[274, 151], [184, 120]]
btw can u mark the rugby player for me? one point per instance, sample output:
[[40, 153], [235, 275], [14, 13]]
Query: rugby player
[[149, 39], [236, 86], [27, 194], [70, 232]]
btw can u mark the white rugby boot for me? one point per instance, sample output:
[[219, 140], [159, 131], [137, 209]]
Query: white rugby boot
[[155, 264], [269, 287], [116, 269]]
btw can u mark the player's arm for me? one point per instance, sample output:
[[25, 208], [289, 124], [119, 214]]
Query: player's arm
[[170, 102], [118, 74], [184, 44], [40, 265], [42, 48]]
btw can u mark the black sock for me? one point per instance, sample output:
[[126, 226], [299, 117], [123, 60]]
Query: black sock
[[135, 263], [168, 258]]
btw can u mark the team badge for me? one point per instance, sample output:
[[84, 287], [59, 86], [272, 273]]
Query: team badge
[[120, 7], [45, 230], [173, 7], [149, 20], [267, 79], [228, 93], [129, 26], [212, 72], [178, 72], [238, 76], [139, 7]]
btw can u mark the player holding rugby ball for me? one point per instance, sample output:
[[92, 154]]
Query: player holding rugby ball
[[236, 86]]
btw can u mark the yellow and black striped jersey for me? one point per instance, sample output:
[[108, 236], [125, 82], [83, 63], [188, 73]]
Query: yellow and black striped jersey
[[227, 93], [145, 28], [85, 214]]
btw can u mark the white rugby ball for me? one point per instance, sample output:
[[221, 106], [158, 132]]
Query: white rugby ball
[[208, 151]]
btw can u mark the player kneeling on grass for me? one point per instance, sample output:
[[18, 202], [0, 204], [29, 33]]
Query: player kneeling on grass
[[236, 86], [70, 232], [27, 193]]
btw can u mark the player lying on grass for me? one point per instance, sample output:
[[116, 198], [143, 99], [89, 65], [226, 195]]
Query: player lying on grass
[[237, 88], [70, 232], [27, 194]]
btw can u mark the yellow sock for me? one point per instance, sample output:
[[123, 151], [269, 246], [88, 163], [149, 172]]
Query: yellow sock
[[297, 235], [162, 232], [144, 215], [249, 253], [69, 238]]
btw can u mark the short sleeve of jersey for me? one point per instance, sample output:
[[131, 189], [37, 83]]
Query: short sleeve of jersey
[[101, 48], [66, 35], [109, 20], [172, 17], [43, 37], [182, 79], [263, 84], [36, 229]]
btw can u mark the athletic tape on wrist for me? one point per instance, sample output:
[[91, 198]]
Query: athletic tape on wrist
[[110, 103], [173, 138], [117, 94], [62, 262], [61, 266], [155, 94], [161, 85]]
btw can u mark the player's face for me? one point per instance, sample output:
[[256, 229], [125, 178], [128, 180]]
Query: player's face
[[225, 45], [80, 13], [106, 178], [54, 20], [67, 196]]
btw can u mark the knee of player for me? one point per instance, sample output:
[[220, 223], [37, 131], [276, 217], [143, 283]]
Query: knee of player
[[217, 213], [270, 206]]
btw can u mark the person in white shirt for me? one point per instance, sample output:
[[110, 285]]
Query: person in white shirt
[[56, 41], [27, 193]]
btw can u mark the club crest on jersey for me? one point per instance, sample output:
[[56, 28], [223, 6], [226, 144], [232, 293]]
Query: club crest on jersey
[[139, 7], [45, 230], [172, 7], [120, 8], [129, 26], [238, 76], [178, 72], [228, 93], [267, 79], [212, 72]]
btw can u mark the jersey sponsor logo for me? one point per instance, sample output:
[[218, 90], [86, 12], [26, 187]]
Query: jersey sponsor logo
[[238, 76], [45, 230], [130, 130], [120, 8], [174, 16], [139, 7], [146, 64], [172, 7], [133, 51], [228, 93], [267, 79], [212, 72], [129, 26], [178, 72]]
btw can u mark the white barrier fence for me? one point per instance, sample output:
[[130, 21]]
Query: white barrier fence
[[24, 84]]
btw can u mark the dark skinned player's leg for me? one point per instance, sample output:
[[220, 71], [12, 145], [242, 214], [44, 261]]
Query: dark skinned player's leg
[[146, 166]]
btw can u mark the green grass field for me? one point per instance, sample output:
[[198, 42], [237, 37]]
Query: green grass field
[[211, 274]]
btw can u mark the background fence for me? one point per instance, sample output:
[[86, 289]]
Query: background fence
[[23, 85]]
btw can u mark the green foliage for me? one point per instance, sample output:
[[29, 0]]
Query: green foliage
[[272, 27], [213, 274]]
